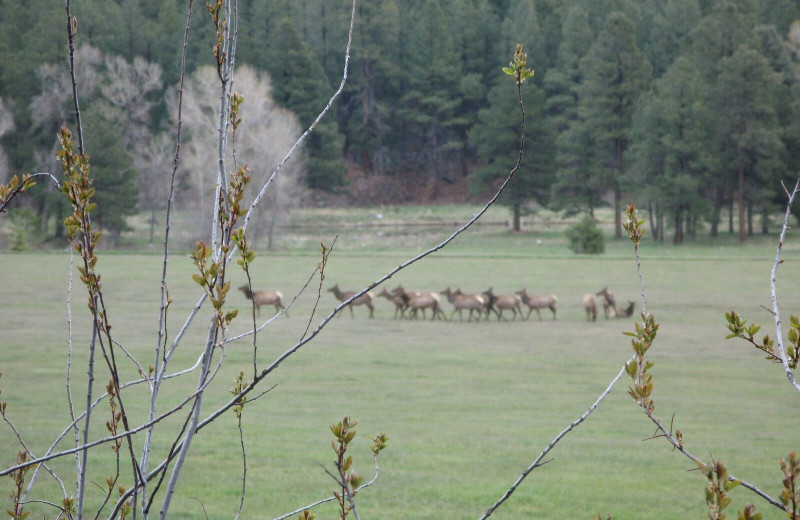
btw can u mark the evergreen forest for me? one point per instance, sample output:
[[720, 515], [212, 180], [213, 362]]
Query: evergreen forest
[[689, 107]]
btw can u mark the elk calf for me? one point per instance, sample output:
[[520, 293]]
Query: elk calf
[[265, 298], [627, 312]]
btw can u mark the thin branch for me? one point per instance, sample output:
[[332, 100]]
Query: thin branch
[[146, 510], [321, 269], [43, 502], [20, 188], [314, 124], [773, 276], [679, 446], [87, 418], [28, 451], [279, 313], [84, 448], [72, 26], [139, 367], [244, 468], [159, 374], [538, 460]]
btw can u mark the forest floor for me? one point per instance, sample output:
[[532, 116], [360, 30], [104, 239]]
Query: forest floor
[[467, 406]]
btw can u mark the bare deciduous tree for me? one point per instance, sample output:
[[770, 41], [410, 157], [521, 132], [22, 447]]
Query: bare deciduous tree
[[50, 107], [266, 132]]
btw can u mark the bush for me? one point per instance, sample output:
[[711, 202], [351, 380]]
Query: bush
[[586, 238], [24, 229]]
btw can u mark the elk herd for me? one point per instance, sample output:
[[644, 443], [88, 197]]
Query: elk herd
[[410, 304]]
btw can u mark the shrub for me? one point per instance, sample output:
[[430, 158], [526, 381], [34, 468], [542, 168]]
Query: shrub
[[586, 238], [23, 229]]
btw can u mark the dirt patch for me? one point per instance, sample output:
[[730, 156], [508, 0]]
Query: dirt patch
[[368, 189]]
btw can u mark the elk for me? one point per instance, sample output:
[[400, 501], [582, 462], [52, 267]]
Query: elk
[[537, 302], [411, 294], [265, 298], [590, 306], [627, 312], [400, 302], [364, 299], [462, 301], [502, 302], [421, 300], [427, 301], [608, 300]]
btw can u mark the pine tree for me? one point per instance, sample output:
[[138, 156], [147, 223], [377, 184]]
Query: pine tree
[[366, 115], [562, 81], [430, 106], [299, 84], [615, 73], [112, 170], [496, 139], [751, 147], [671, 136]]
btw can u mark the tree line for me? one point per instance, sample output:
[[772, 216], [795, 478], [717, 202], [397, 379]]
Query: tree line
[[689, 107]]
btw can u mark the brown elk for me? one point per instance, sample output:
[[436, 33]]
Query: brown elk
[[590, 306], [461, 302], [421, 301], [627, 312], [364, 299], [502, 302], [537, 302], [265, 298], [608, 300], [400, 302], [426, 301]]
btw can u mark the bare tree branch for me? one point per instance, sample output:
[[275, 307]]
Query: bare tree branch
[[773, 277], [72, 26], [158, 371], [538, 460]]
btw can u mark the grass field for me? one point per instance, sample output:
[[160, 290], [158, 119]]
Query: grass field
[[466, 406]]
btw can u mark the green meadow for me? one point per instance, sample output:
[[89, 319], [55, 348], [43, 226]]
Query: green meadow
[[467, 406]]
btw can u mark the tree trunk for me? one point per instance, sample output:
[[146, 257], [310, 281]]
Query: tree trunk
[[152, 223], [742, 223], [516, 226], [693, 228], [653, 218], [271, 230], [677, 238], [617, 213], [764, 221], [730, 216], [749, 218], [716, 214], [661, 226]]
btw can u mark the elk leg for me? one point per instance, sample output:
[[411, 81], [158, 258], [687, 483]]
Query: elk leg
[[539, 314], [553, 308], [371, 310], [352, 316], [530, 310]]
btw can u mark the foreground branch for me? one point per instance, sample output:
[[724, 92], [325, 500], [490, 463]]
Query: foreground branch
[[775, 309]]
